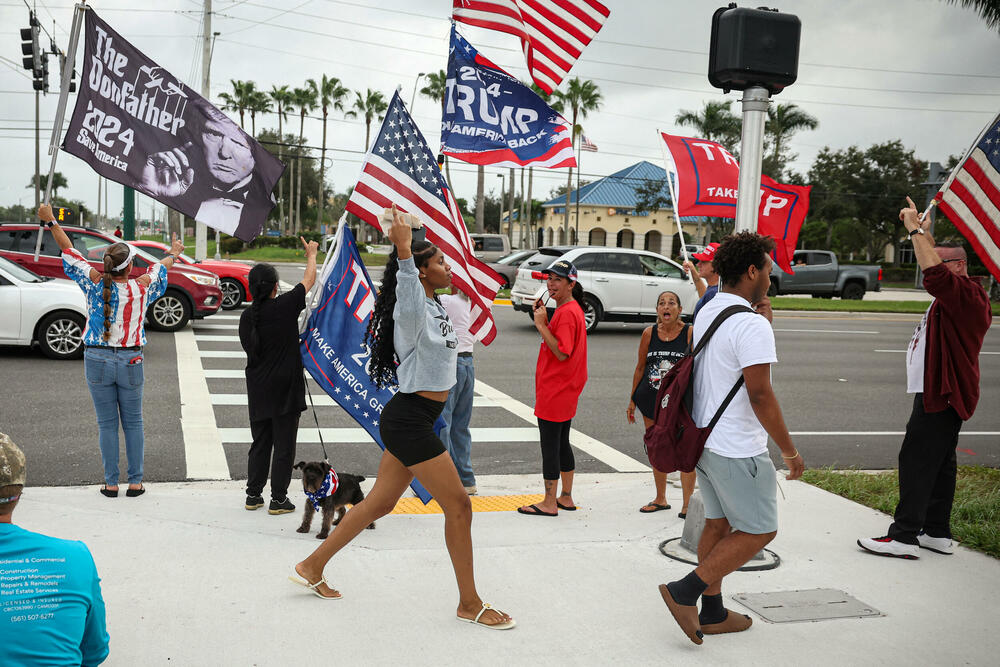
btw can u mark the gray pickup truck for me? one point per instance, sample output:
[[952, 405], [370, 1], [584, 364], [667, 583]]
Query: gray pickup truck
[[817, 272]]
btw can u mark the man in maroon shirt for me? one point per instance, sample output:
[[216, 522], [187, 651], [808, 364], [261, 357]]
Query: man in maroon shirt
[[942, 371]]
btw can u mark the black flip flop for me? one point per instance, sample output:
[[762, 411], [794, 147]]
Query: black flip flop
[[536, 512], [132, 493], [657, 507], [105, 491], [568, 508]]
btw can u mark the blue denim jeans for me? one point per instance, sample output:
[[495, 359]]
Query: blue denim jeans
[[457, 414], [116, 388]]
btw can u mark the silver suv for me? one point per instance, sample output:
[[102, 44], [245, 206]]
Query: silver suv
[[619, 284]]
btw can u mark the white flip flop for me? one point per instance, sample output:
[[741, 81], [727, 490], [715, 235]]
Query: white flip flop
[[314, 588], [497, 626]]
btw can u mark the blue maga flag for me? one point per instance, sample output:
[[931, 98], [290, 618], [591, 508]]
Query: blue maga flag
[[490, 117], [332, 345]]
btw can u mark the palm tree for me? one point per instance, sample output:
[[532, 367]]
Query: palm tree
[[784, 120], [581, 97], [437, 89], [330, 93], [282, 98], [305, 100], [370, 105], [988, 10], [240, 97], [258, 102], [715, 122]]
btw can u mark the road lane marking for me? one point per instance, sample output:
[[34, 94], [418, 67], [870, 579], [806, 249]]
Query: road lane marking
[[204, 457], [607, 455], [217, 327], [981, 352], [860, 433], [224, 317], [324, 400], [221, 354], [358, 434], [210, 338], [829, 331]]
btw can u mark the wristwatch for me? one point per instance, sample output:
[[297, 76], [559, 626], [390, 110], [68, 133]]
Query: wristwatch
[[918, 230]]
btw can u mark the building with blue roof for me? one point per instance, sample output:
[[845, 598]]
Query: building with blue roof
[[608, 217]]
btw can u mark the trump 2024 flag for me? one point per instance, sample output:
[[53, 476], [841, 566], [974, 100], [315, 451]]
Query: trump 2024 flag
[[137, 124], [332, 345], [489, 117]]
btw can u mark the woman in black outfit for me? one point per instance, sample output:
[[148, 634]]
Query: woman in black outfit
[[269, 334], [660, 347]]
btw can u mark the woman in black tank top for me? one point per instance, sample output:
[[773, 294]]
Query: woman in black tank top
[[661, 346]]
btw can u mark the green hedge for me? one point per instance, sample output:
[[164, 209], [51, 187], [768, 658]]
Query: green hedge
[[291, 242]]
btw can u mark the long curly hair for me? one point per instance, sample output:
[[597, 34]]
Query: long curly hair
[[379, 336], [262, 279], [114, 254]]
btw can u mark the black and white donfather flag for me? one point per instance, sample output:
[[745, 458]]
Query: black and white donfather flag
[[137, 124]]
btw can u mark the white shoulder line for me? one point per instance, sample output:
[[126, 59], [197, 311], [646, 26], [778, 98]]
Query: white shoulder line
[[604, 453], [204, 456]]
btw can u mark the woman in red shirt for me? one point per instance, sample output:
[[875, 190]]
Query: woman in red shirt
[[560, 375]]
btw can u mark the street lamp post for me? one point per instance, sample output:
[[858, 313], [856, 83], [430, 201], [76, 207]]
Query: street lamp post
[[413, 97], [502, 190]]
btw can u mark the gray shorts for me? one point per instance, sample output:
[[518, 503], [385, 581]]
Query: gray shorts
[[742, 491]]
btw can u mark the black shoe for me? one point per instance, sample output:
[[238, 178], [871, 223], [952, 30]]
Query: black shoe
[[254, 502], [281, 506], [110, 493], [135, 493]]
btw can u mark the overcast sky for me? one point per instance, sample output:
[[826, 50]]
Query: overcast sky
[[921, 71]]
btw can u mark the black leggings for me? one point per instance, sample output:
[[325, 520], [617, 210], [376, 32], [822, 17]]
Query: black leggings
[[557, 455]]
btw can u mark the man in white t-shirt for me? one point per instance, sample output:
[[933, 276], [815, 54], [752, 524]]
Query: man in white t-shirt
[[735, 473], [457, 413]]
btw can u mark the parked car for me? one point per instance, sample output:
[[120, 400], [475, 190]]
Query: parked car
[[818, 273], [619, 284], [490, 247], [507, 265], [233, 276], [692, 248], [192, 293], [51, 311]]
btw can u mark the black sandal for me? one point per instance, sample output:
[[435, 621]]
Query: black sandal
[[132, 493], [105, 491]]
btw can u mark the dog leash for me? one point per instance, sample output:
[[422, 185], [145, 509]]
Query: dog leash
[[319, 431]]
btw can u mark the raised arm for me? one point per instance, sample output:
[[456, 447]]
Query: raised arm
[[309, 278], [81, 268], [699, 282], [923, 243]]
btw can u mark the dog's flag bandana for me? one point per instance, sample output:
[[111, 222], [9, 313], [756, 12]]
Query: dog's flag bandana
[[327, 488]]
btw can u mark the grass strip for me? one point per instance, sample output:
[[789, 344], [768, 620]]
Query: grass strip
[[975, 516], [840, 305]]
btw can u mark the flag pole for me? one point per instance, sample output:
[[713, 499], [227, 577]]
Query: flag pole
[[958, 165], [67, 73], [667, 163]]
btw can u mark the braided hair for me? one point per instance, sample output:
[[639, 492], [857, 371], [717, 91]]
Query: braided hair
[[114, 254], [379, 336], [262, 279]]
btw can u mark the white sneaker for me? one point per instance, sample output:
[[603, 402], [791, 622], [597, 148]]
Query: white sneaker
[[886, 546], [941, 545], [471, 490]]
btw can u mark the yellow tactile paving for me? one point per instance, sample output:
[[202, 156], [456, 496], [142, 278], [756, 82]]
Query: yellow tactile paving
[[479, 504]]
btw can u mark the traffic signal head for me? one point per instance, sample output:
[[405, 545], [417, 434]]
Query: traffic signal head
[[753, 47], [29, 45], [63, 214]]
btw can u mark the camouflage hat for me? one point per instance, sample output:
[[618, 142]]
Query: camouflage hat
[[11, 462]]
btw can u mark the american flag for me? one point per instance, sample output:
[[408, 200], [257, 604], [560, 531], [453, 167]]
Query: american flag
[[971, 197], [553, 32], [587, 145], [400, 169]]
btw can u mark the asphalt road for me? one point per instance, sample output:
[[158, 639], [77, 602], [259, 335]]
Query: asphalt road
[[840, 380]]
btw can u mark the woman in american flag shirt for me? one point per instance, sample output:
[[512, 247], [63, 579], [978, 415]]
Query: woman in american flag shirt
[[113, 340]]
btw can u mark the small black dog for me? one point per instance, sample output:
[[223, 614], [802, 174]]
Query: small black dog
[[348, 493]]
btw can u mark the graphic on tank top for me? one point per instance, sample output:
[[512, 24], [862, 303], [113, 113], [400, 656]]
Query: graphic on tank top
[[662, 356]]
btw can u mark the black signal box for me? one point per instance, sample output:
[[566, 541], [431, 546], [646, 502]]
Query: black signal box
[[753, 47]]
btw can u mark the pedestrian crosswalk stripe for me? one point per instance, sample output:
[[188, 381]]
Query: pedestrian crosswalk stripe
[[213, 338], [204, 456], [222, 354], [217, 327], [356, 434], [324, 400]]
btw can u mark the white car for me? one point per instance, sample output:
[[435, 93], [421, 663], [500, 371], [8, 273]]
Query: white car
[[52, 311], [619, 284]]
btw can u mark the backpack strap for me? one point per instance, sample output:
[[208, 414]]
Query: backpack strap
[[719, 319]]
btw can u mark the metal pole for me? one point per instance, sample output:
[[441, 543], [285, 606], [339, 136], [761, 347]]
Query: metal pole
[[38, 172], [201, 230], [502, 189], [74, 36], [128, 214], [755, 101], [579, 145]]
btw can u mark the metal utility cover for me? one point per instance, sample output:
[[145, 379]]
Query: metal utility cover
[[818, 604]]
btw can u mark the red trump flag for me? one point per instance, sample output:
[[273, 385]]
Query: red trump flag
[[708, 179]]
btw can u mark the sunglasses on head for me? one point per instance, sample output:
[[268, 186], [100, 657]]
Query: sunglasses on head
[[953, 259]]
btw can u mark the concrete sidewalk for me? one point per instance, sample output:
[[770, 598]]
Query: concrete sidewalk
[[191, 578]]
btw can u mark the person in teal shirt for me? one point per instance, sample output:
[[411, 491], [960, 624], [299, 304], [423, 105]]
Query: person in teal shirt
[[51, 609]]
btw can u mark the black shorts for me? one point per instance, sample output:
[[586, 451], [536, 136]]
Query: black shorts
[[644, 398], [407, 428]]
